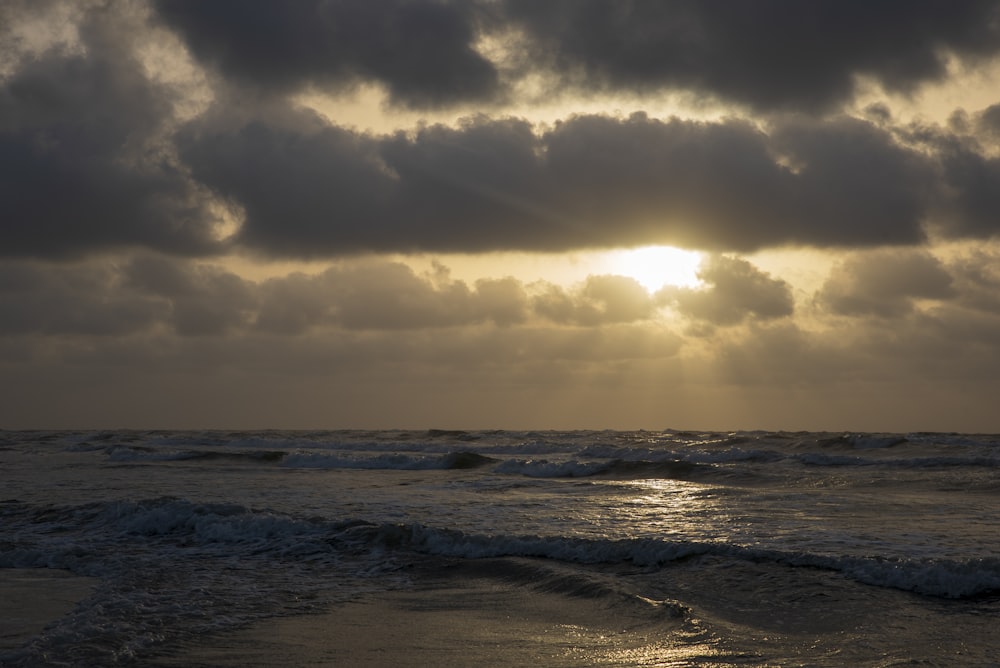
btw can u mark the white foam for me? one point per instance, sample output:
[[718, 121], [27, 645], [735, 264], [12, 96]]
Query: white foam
[[544, 468]]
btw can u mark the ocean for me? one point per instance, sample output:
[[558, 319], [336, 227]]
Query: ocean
[[649, 548]]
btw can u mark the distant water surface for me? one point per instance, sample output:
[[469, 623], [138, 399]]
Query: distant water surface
[[766, 548]]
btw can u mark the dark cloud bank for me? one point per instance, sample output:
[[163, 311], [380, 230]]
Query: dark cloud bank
[[590, 181], [773, 54], [94, 156]]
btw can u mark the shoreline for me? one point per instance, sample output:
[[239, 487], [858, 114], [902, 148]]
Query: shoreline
[[33, 598], [451, 621]]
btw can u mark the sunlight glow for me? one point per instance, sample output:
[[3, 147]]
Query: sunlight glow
[[656, 266]]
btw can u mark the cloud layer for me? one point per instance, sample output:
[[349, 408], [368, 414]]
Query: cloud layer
[[778, 54], [902, 322], [154, 152], [771, 55], [96, 155]]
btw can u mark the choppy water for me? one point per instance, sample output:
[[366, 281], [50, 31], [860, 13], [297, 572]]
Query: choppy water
[[769, 548]]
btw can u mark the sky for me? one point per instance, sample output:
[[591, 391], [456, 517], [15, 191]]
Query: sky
[[500, 214]]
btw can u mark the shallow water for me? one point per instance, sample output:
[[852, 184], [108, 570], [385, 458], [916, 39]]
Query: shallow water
[[768, 548]]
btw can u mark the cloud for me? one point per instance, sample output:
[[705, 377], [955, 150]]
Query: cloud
[[735, 290], [600, 299], [480, 186], [423, 52], [155, 325], [80, 168], [156, 293], [989, 121], [312, 189], [361, 315], [972, 196], [72, 300], [963, 154], [855, 182], [884, 283], [975, 279], [361, 296], [774, 55], [948, 350], [150, 147], [502, 300], [392, 296], [387, 296], [95, 156], [204, 300], [373, 295], [309, 189]]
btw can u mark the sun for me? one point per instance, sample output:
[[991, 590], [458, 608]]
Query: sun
[[656, 266]]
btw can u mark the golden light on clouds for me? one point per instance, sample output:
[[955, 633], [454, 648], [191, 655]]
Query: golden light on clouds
[[652, 266]]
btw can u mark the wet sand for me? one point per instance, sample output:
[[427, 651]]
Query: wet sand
[[31, 598], [450, 623]]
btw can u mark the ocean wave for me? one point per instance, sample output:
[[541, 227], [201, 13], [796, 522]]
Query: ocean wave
[[388, 461], [944, 578], [554, 578], [136, 455], [590, 461], [90, 537], [616, 468], [821, 459], [861, 441], [172, 569], [544, 468]]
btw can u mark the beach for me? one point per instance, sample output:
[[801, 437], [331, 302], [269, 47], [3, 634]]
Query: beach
[[31, 598], [446, 620], [390, 548], [467, 614]]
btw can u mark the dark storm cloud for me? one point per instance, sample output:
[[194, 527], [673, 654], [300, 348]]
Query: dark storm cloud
[[971, 202], [735, 290], [89, 146], [79, 169], [591, 181], [966, 201], [477, 187], [422, 51], [303, 189], [775, 54], [884, 283], [854, 183]]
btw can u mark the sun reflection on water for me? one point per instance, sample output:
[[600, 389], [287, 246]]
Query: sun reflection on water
[[669, 508]]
